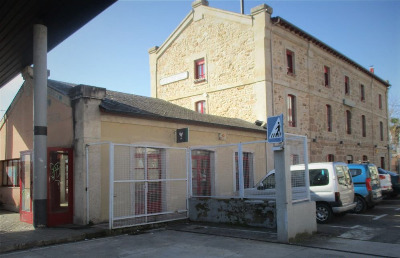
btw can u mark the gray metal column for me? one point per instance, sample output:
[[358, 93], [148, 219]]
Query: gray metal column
[[283, 193], [40, 126]]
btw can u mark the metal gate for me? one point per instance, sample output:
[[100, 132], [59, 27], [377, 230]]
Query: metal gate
[[148, 184]]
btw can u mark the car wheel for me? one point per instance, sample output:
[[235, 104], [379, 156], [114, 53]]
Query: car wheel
[[361, 206], [324, 213]]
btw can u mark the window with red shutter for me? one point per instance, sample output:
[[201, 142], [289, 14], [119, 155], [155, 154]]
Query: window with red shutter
[[291, 110], [290, 62]]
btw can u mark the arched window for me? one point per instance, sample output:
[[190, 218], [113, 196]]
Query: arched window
[[330, 157]]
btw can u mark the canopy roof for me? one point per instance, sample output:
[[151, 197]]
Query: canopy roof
[[17, 17]]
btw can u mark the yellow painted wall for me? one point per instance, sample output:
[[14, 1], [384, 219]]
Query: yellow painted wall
[[136, 131]]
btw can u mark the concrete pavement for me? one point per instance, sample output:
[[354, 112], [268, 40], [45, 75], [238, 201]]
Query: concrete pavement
[[174, 240]]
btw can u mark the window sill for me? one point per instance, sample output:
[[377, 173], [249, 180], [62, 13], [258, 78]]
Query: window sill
[[200, 80], [291, 75]]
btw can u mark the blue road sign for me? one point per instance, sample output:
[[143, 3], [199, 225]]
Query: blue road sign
[[275, 132]]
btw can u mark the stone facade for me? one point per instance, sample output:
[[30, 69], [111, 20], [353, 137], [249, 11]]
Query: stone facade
[[246, 77]]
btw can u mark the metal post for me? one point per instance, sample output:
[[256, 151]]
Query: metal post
[[307, 175], [241, 6], [87, 183], [240, 164], [40, 126], [111, 169], [283, 193]]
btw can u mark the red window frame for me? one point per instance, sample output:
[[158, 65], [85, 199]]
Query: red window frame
[[10, 178], [380, 101], [348, 122], [363, 126], [201, 106], [153, 170], [295, 159], [291, 109], [346, 85], [327, 76], [290, 62], [362, 92], [201, 172], [199, 69], [247, 159], [383, 162], [381, 130], [329, 118], [330, 158]]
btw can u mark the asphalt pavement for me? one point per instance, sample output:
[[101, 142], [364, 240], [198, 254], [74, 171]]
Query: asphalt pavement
[[179, 239]]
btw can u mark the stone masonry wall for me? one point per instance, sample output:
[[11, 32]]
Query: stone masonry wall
[[312, 97], [228, 49], [227, 43]]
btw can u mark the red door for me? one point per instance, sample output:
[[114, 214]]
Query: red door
[[26, 169], [201, 173], [60, 186]]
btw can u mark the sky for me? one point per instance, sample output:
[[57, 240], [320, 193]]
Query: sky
[[111, 51]]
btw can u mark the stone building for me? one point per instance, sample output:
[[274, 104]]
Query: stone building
[[255, 66]]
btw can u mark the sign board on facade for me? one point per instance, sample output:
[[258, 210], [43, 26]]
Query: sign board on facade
[[174, 78], [182, 135], [275, 133]]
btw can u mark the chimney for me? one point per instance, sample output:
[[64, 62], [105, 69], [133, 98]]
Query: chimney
[[371, 69]]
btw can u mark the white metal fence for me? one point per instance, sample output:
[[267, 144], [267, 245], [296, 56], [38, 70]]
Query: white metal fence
[[133, 185], [245, 170]]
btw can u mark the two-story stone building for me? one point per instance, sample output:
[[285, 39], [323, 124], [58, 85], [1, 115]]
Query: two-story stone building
[[255, 66]]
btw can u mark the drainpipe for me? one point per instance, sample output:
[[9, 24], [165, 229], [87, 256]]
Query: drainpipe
[[40, 126]]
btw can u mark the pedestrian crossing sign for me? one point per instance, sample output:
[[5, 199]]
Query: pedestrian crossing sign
[[275, 133]]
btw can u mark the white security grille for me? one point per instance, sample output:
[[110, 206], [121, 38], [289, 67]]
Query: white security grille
[[150, 185]]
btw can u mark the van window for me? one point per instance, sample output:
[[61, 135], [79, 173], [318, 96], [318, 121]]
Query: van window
[[355, 172], [343, 175], [269, 182], [319, 177]]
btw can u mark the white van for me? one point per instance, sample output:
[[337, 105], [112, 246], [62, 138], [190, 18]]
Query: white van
[[331, 187]]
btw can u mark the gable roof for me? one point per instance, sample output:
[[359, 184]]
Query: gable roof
[[146, 107]]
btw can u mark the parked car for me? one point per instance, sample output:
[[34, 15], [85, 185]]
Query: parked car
[[386, 183], [331, 187], [395, 178], [366, 186]]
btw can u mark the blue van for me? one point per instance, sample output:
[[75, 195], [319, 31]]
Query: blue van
[[366, 185]]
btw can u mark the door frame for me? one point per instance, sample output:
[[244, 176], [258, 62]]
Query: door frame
[[25, 216], [54, 219]]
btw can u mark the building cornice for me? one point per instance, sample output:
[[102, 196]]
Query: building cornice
[[296, 30]]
